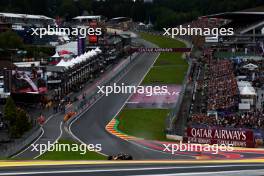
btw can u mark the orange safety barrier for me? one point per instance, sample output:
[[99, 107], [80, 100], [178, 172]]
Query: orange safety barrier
[[69, 115]]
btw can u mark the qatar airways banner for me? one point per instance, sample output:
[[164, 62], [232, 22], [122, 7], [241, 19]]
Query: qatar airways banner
[[236, 137]]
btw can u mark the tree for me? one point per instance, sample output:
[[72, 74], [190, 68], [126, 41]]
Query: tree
[[68, 9], [10, 40], [19, 120], [23, 122], [21, 125], [138, 10], [165, 18], [10, 112]]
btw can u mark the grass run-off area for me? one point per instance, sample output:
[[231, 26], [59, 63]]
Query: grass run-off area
[[169, 68], [71, 155], [166, 75], [143, 123]]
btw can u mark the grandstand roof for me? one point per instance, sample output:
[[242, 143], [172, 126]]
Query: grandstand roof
[[87, 17], [238, 15], [242, 21], [17, 15], [120, 19]]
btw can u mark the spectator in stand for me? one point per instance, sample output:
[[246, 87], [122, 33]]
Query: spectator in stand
[[251, 120]]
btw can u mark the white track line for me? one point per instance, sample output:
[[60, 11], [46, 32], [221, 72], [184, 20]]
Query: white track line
[[130, 169], [76, 118], [80, 115], [53, 142], [42, 132], [215, 173]]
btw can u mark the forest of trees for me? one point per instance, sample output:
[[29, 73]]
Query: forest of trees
[[160, 12]]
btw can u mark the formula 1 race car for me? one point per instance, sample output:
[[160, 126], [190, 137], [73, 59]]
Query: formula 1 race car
[[120, 156]]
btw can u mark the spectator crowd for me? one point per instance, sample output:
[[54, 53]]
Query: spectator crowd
[[252, 120], [221, 95], [222, 89]]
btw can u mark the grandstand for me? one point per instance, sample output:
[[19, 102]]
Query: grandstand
[[242, 22], [26, 19], [248, 28], [123, 23], [229, 85]]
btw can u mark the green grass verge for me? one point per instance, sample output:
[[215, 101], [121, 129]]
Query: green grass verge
[[170, 59], [143, 123], [166, 73], [165, 42], [71, 155]]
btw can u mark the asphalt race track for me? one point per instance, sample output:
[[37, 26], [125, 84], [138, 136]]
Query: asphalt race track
[[90, 128], [139, 169]]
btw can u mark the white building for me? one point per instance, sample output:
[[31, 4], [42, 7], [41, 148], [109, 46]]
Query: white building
[[247, 95]]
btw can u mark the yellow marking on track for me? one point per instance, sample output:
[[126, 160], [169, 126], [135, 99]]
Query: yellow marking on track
[[203, 157], [54, 163], [110, 128]]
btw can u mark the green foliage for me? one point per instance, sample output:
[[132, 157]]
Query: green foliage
[[23, 122], [161, 12], [169, 68], [165, 75], [10, 113], [39, 51], [10, 40], [144, 123], [19, 121], [72, 9]]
